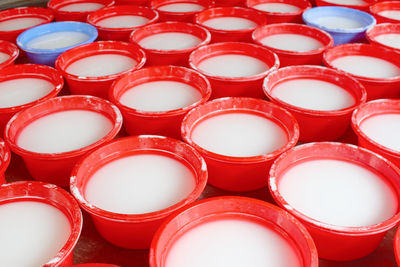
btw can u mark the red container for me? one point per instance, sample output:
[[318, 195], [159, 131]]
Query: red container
[[120, 34], [289, 58], [5, 157], [56, 167], [28, 71], [170, 57], [23, 12], [11, 50], [96, 265], [179, 16], [362, 7], [165, 123], [384, 6], [51, 195], [100, 85], [380, 29], [218, 35], [397, 246], [376, 87], [131, 2], [223, 86], [134, 231], [279, 17], [317, 125], [240, 173], [232, 207], [229, 3], [81, 16], [338, 243]]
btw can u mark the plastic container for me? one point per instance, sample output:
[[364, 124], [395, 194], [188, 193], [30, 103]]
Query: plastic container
[[120, 34], [179, 16], [243, 35], [380, 29], [337, 242], [55, 196], [11, 50], [229, 3], [134, 231], [289, 58], [376, 87], [363, 7], [5, 157], [317, 125], [170, 57], [397, 246], [384, 6], [49, 56], [340, 35], [81, 16], [100, 85], [282, 17], [235, 207], [131, 2], [239, 173], [165, 123], [96, 265], [223, 86], [56, 167]]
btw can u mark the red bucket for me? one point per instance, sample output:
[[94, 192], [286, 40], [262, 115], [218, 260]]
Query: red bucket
[[317, 125], [165, 123], [97, 85], [5, 157], [56, 167], [363, 6], [11, 50], [377, 9], [373, 34], [184, 16], [135, 231], [66, 15]]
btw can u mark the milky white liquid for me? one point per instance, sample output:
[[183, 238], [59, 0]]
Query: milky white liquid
[[140, 183], [160, 96], [64, 131], [101, 65], [338, 192], [32, 233], [125, 21], [57, 40], [292, 42], [170, 41], [4, 57], [181, 7], [239, 134], [230, 23], [81, 7], [20, 23], [390, 39], [391, 14], [233, 65], [21, 91], [347, 2], [232, 243], [277, 7], [338, 22], [366, 66]]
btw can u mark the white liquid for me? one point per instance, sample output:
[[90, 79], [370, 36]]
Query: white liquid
[[64, 131], [125, 21], [181, 7], [366, 66], [140, 184], [230, 23], [391, 14], [101, 65], [390, 39], [23, 90], [239, 134], [313, 94], [277, 7], [4, 57], [338, 192], [338, 22], [20, 23], [233, 65], [81, 7], [170, 41], [160, 96], [383, 129], [347, 2], [292, 42], [233, 243], [57, 40], [32, 233]]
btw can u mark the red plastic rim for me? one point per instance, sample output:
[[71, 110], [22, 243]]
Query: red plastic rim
[[55, 5], [21, 12], [302, 4], [382, 6], [9, 49], [380, 29], [5, 156], [155, 4], [362, 7]]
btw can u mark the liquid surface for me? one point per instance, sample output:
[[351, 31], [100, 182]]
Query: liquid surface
[[390, 39], [230, 23], [57, 40], [181, 7], [170, 41], [20, 23], [277, 7], [338, 22], [125, 21], [3, 57], [81, 7], [292, 42], [347, 2], [391, 14]]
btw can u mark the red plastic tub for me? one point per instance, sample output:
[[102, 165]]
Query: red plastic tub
[[56, 167], [11, 50], [131, 2], [170, 57], [96, 265], [165, 123], [56, 5], [230, 207], [376, 87], [338, 243], [120, 34], [238, 35], [184, 16], [134, 231], [377, 8], [229, 3], [287, 57], [317, 125], [397, 246], [363, 7], [279, 17], [240, 173], [222, 86], [383, 29], [55, 196], [28, 71], [97, 85], [5, 157]]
